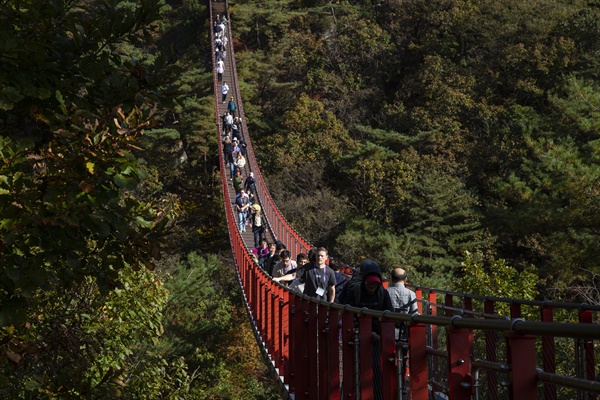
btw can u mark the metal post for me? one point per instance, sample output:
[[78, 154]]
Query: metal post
[[515, 310], [301, 348], [365, 361], [459, 345], [449, 303], [348, 346], [389, 361], [285, 334], [311, 338], [333, 362], [418, 362], [521, 359], [323, 346], [277, 328]]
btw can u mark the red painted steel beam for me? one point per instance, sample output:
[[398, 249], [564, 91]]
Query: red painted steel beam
[[418, 362], [348, 356], [389, 360], [322, 338], [285, 335], [302, 349], [459, 343], [521, 359], [585, 317], [311, 337], [276, 325], [365, 351], [333, 359]]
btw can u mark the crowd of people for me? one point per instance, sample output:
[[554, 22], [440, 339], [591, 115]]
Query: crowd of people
[[314, 274]]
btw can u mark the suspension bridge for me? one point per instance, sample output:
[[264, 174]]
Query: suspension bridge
[[460, 346]]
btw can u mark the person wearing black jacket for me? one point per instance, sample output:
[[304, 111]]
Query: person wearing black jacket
[[371, 294]]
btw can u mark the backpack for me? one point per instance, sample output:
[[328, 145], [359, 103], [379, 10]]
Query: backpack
[[356, 279], [380, 295]]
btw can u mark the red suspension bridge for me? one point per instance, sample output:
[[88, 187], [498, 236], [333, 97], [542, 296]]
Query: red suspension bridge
[[460, 346]]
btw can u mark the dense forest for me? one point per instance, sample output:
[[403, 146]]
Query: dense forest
[[459, 139], [448, 136], [116, 279]]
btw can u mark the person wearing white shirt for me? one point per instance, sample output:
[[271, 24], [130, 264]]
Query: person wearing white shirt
[[220, 70], [224, 91]]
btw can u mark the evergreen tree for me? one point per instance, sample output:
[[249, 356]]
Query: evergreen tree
[[443, 222]]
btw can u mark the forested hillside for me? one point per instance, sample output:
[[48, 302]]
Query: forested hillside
[[116, 278], [415, 131]]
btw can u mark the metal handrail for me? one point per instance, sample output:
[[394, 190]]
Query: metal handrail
[[568, 381], [508, 300]]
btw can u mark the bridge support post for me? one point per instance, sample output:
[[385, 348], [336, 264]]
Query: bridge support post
[[521, 358], [299, 378], [323, 346], [365, 346], [418, 362], [389, 360], [312, 389], [588, 362], [460, 381], [348, 361], [333, 327], [285, 334]]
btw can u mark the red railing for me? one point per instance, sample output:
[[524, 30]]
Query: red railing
[[321, 350]]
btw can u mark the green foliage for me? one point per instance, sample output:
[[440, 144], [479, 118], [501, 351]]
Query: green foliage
[[495, 278], [85, 93], [80, 342], [206, 324], [380, 180], [364, 238], [68, 140], [259, 24], [442, 222], [473, 127]]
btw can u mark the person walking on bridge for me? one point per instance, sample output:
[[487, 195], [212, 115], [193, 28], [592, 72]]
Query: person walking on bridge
[[250, 184], [371, 294], [224, 91], [231, 107], [404, 300], [258, 226], [242, 202], [240, 162], [220, 69], [319, 279]]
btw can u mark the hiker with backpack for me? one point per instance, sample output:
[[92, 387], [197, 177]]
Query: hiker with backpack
[[404, 300], [371, 294], [231, 107]]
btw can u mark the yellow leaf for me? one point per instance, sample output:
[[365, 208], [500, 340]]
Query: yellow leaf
[[90, 167]]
